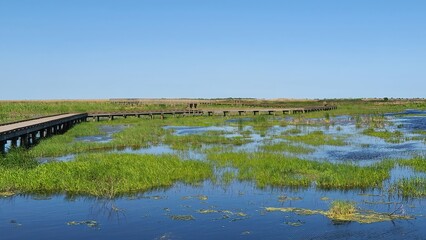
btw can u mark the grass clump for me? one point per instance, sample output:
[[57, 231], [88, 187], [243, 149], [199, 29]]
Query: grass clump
[[292, 131], [417, 163], [105, 175], [391, 137], [17, 158], [317, 138], [342, 209], [410, 187]]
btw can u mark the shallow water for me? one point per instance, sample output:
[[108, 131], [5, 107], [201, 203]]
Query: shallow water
[[107, 130], [237, 209], [240, 214]]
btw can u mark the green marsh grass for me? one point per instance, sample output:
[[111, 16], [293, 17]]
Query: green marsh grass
[[104, 175], [196, 141], [391, 137], [268, 169], [342, 209], [138, 133], [293, 131], [413, 187], [317, 138], [417, 163], [287, 147]]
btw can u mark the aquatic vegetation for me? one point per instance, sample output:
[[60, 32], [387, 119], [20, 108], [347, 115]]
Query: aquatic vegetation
[[410, 187], [182, 217], [137, 134], [105, 175], [195, 141], [228, 177], [207, 211], [225, 214], [417, 163], [89, 223], [317, 138], [287, 198], [287, 147], [391, 137], [298, 223], [346, 212], [293, 131], [199, 197], [420, 132], [341, 209], [268, 169]]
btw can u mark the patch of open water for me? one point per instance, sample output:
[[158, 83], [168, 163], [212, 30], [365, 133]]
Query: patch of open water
[[238, 212], [106, 136]]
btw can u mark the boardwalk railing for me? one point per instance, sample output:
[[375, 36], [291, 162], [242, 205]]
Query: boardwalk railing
[[223, 112]]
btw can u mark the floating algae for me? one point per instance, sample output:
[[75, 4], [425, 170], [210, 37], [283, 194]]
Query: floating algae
[[287, 198], [226, 214], [41, 197], [298, 223], [298, 211], [182, 217], [381, 202], [199, 197], [325, 198], [89, 223], [358, 216], [207, 211]]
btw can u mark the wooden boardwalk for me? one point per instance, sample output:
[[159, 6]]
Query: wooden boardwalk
[[209, 112], [29, 132]]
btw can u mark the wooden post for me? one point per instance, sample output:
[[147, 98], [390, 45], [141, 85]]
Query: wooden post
[[24, 140], [2, 147], [14, 142]]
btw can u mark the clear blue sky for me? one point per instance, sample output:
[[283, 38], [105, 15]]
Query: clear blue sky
[[218, 48]]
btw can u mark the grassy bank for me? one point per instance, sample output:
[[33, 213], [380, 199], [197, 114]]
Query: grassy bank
[[105, 175]]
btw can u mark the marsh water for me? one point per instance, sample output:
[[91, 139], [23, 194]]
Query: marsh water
[[235, 210]]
